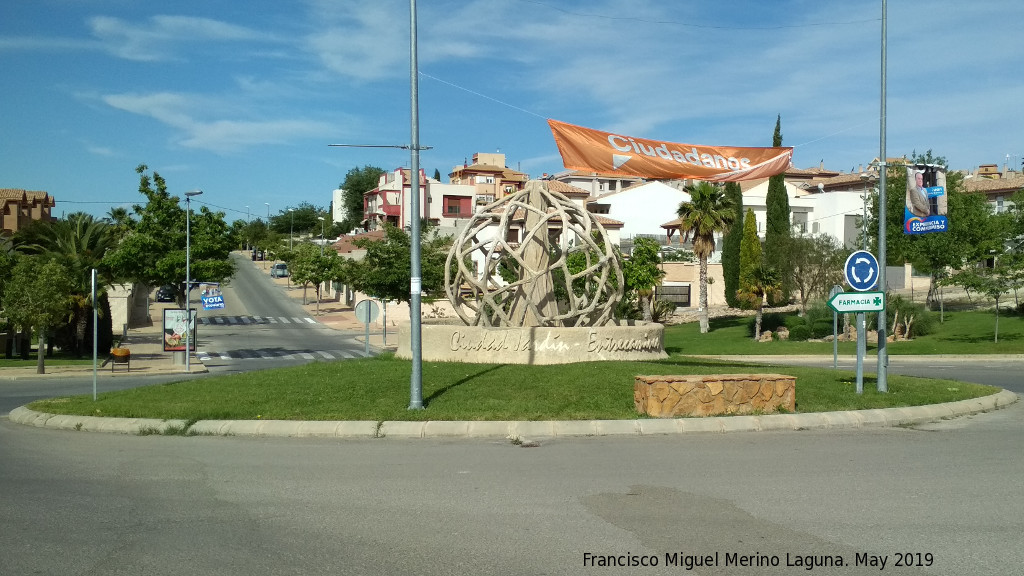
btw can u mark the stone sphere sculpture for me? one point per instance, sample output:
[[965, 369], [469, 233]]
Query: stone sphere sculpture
[[534, 258]]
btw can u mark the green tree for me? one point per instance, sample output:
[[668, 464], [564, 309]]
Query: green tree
[[8, 258], [153, 252], [731, 246], [358, 181], [38, 296], [992, 282], [777, 227], [121, 221], [817, 263], [974, 233], [763, 281], [79, 243], [302, 220], [750, 254], [708, 212], [642, 274], [386, 270], [309, 264], [254, 233], [437, 174]]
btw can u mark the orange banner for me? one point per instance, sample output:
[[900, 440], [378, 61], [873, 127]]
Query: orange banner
[[608, 153]]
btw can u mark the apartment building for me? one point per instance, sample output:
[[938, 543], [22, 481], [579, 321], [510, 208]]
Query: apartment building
[[20, 207]]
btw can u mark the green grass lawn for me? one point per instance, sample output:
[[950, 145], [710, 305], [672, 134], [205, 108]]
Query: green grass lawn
[[962, 332], [378, 389]]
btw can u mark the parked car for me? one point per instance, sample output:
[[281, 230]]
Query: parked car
[[279, 270], [165, 294]]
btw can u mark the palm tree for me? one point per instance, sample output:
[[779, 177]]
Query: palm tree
[[708, 212], [78, 243], [763, 281]]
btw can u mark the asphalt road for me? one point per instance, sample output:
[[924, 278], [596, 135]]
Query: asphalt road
[[99, 504], [947, 494], [261, 327]]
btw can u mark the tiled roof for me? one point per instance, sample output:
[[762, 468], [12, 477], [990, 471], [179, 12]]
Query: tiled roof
[[520, 216], [567, 189], [12, 193], [346, 244], [1011, 183], [19, 194]]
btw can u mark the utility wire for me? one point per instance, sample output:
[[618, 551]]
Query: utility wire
[[692, 25]]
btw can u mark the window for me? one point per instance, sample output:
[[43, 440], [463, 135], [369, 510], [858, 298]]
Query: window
[[457, 206]]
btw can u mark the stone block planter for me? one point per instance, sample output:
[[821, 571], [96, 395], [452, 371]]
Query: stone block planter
[[669, 396]]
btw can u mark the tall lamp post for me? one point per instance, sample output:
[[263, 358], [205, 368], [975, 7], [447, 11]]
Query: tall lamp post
[[268, 213], [291, 231], [321, 219], [188, 279]]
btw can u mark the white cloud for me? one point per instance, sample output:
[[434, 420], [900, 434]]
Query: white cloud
[[155, 39], [180, 112]]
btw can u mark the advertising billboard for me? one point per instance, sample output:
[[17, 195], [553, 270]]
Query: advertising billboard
[[174, 330], [926, 204]]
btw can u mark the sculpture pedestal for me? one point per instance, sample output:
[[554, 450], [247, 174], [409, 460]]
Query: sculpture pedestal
[[453, 342]]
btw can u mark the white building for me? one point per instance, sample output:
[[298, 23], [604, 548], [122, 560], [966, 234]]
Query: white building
[[642, 209], [338, 211]]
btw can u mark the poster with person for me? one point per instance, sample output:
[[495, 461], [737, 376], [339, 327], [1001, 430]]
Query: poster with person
[[925, 209], [174, 330], [211, 295]]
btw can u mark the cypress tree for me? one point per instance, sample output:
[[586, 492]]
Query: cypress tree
[[731, 246], [750, 254], [777, 228]]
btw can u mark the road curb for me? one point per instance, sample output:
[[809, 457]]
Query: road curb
[[521, 431]]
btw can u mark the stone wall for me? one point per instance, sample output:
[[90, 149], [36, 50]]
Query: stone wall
[[672, 395]]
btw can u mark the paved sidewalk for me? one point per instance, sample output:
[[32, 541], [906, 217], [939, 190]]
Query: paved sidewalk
[[148, 356], [339, 316]]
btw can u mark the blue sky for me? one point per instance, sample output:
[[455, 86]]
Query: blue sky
[[241, 99]]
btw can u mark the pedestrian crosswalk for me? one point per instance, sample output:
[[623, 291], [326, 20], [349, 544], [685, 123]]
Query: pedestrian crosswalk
[[278, 354], [243, 320]]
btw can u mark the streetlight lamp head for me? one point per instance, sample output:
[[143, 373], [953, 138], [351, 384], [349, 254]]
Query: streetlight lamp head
[[193, 193]]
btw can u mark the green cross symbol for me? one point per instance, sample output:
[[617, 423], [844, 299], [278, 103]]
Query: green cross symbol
[[878, 300]]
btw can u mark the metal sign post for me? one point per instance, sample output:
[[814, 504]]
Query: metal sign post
[[366, 312], [859, 302], [861, 271]]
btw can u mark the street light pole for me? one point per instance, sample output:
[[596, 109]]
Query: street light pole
[[291, 231], [268, 213], [321, 219], [883, 352], [188, 279], [416, 281]]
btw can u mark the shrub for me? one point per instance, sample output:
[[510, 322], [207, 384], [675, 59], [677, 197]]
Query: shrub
[[800, 333], [771, 321], [661, 310], [823, 328], [923, 321]]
